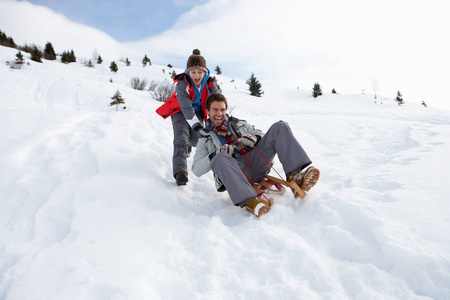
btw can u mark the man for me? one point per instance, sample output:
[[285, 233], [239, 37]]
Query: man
[[226, 146]]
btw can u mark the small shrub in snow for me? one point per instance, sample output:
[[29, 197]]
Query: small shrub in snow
[[138, 84], [153, 85], [163, 91]]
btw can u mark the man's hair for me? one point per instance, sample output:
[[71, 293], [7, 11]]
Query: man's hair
[[216, 97]]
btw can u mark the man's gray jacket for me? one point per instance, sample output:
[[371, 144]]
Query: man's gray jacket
[[209, 144]]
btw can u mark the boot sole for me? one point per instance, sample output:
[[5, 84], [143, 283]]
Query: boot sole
[[310, 179]]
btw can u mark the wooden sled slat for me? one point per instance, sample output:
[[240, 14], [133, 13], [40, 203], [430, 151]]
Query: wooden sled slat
[[292, 184]]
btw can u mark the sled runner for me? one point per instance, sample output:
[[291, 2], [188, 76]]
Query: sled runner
[[272, 184]]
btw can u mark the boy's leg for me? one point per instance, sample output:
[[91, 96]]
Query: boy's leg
[[181, 137]]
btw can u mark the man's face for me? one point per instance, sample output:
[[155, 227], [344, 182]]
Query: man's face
[[197, 76], [217, 112]]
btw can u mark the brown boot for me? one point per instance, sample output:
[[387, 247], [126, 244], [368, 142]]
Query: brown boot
[[306, 179], [258, 206]]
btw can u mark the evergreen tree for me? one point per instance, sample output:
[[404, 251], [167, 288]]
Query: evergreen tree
[[424, 104], [254, 86], [218, 70], [317, 91], [72, 56], [49, 52], [99, 60], [127, 62], [173, 74], [146, 61], [68, 57], [36, 54], [399, 99], [6, 40], [333, 91], [117, 99], [113, 67], [217, 85], [19, 58]]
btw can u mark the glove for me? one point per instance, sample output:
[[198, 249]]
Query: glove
[[248, 140], [227, 148], [197, 127], [195, 123]]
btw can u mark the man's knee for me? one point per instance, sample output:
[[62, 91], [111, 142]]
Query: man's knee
[[280, 125], [219, 159]]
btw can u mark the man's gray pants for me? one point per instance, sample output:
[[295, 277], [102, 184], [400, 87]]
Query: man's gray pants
[[233, 172], [183, 137]]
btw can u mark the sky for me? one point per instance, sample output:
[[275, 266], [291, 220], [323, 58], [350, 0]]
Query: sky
[[125, 21], [377, 47]]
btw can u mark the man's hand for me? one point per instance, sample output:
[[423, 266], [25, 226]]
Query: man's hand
[[248, 140], [227, 148]]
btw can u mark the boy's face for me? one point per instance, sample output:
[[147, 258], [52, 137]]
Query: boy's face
[[217, 112], [197, 76]]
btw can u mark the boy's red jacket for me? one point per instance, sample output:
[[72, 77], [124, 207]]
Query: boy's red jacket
[[171, 106]]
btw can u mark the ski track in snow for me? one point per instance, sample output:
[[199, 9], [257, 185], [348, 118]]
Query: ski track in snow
[[90, 209]]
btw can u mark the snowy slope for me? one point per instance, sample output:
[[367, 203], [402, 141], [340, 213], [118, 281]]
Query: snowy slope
[[89, 208]]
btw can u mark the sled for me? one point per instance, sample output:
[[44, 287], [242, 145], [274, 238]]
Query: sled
[[270, 184]]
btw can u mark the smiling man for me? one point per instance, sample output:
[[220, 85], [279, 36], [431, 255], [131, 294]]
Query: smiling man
[[226, 146]]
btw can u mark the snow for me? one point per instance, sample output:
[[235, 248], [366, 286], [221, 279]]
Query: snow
[[90, 210]]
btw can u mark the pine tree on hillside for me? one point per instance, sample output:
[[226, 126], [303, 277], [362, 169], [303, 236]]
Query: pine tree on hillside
[[317, 90], [113, 67], [6, 40], [49, 52], [333, 91], [146, 61], [68, 57], [218, 70], [127, 62], [36, 55], [19, 58], [254, 86], [117, 100], [99, 60], [399, 99]]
